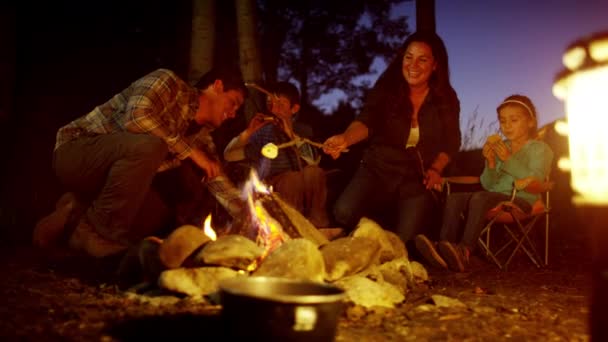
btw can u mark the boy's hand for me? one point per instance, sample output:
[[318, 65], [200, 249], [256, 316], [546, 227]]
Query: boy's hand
[[258, 121]]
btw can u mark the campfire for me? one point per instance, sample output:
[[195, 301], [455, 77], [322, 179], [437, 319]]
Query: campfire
[[270, 234], [371, 264]]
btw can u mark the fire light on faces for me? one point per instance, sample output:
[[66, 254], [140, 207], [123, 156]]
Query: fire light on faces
[[208, 230], [582, 87]]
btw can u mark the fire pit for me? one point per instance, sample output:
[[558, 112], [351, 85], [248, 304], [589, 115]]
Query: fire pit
[[280, 309]]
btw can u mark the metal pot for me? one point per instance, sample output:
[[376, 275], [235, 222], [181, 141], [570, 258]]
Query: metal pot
[[278, 309]]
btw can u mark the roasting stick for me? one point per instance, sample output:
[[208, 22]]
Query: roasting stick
[[271, 150], [270, 146], [255, 86]]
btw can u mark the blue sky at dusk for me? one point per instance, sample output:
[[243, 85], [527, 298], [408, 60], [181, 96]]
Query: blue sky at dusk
[[498, 48]]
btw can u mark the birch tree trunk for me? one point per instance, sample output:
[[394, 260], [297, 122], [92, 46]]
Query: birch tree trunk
[[249, 55], [203, 38]]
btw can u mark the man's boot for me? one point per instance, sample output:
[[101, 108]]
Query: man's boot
[[50, 229]]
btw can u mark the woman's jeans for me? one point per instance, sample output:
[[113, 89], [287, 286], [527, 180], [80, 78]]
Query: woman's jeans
[[113, 173], [367, 192], [474, 206]]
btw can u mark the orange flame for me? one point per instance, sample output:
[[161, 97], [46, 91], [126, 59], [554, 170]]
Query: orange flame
[[270, 233], [208, 230]]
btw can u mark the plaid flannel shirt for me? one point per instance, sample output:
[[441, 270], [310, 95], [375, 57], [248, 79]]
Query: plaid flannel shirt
[[159, 104]]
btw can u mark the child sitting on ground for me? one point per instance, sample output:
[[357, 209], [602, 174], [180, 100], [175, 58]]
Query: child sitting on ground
[[519, 156]]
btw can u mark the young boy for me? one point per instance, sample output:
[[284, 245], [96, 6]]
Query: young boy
[[292, 173]]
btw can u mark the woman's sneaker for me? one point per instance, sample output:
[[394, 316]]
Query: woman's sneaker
[[457, 256], [429, 252]]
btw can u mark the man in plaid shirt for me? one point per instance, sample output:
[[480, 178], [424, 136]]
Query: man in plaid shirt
[[109, 157]]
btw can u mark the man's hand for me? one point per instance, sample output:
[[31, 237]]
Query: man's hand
[[211, 166]]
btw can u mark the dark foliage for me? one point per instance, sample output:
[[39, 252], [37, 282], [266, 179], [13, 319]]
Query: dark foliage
[[325, 44]]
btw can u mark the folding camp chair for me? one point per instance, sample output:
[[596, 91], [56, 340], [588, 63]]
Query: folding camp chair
[[515, 222]]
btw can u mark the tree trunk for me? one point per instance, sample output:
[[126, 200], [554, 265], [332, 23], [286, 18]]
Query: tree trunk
[[249, 55], [203, 38], [425, 15], [8, 58], [248, 40]]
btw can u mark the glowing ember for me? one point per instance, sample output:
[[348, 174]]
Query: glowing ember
[[208, 230]]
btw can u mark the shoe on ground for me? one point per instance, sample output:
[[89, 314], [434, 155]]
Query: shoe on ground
[[457, 256], [86, 239], [49, 229], [429, 252]]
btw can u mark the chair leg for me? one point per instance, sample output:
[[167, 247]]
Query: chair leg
[[534, 257], [485, 245], [490, 254], [508, 243], [514, 238], [520, 238], [546, 237]]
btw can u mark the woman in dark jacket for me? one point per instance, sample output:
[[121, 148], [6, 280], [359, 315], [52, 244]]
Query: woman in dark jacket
[[411, 119]]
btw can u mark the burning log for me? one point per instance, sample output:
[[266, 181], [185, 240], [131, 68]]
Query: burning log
[[273, 208], [298, 225], [274, 220]]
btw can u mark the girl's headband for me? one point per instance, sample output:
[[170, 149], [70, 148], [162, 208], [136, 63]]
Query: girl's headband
[[519, 103]]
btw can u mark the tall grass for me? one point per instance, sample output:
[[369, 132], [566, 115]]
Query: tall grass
[[475, 130]]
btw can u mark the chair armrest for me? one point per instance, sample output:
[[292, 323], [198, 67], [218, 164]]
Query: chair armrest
[[446, 182], [461, 179], [533, 185]]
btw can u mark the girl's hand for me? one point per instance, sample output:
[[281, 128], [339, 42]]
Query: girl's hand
[[501, 150], [489, 154], [335, 145]]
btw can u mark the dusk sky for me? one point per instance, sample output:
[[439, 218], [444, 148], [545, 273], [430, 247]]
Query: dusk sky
[[498, 48]]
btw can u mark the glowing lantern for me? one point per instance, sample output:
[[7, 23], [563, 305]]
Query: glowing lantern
[[583, 87]]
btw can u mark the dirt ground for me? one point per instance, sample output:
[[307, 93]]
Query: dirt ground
[[70, 298]]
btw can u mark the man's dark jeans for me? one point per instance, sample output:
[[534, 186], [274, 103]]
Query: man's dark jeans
[[113, 173]]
